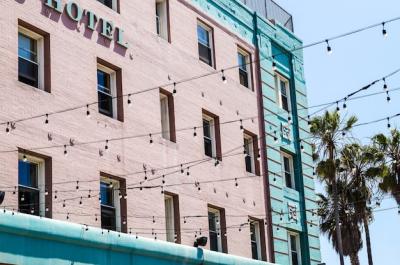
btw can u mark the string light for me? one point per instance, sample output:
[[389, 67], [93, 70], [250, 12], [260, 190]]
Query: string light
[[224, 80], [384, 31], [289, 118], [129, 100], [47, 119], [337, 107], [65, 150], [87, 111], [385, 86], [388, 123], [241, 125], [106, 146], [345, 103], [174, 91], [24, 158], [328, 47], [236, 182], [7, 128], [194, 132], [151, 139], [301, 146], [387, 96], [275, 137]]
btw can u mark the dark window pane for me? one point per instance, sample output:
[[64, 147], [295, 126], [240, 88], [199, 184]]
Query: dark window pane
[[105, 104], [254, 250], [213, 233], [244, 78], [106, 194], [108, 218], [103, 81], [242, 62], [295, 259], [206, 128], [248, 164], [28, 72], [208, 147], [28, 174], [106, 3], [28, 200], [285, 103], [205, 54], [288, 179]]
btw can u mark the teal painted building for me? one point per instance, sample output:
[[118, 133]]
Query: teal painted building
[[283, 105], [39, 241]]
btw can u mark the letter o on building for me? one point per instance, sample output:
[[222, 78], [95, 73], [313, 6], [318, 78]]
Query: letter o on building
[[74, 11]]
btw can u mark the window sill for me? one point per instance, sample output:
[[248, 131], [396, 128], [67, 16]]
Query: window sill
[[167, 143], [35, 89]]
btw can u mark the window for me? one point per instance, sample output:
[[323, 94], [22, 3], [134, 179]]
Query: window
[[167, 115], [244, 62], [109, 90], [113, 4], [214, 227], [113, 203], [255, 238], [172, 219], [287, 169], [211, 134], [205, 41], [33, 56], [249, 155], [162, 19], [294, 249], [34, 192], [283, 87]]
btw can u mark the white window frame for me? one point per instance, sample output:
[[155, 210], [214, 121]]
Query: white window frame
[[292, 176], [217, 226], [116, 201], [169, 218], [41, 180], [210, 39], [40, 53], [251, 151], [248, 67], [113, 87], [162, 18], [258, 237], [278, 79], [298, 248], [165, 119], [212, 134]]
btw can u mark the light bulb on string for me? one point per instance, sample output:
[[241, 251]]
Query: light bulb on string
[[337, 107], [24, 158], [236, 182], [174, 90], [388, 122], [194, 132], [87, 111], [129, 101], [385, 86], [241, 125], [345, 103], [8, 128], [387, 96], [106, 146], [289, 118], [328, 47], [47, 119], [384, 31], [65, 150], [151, 139], [275, 137], [301, 146], [224, 80]]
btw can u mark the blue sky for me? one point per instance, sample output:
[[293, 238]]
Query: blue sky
[[355, 61]]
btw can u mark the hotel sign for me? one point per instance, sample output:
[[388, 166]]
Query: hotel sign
[[76, 13]]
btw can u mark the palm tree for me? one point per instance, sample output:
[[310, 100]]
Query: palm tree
[[328, 132], [362, 162], [389, 146], [351, 238]]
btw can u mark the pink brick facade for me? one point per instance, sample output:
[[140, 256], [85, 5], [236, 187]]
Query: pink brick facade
[[146, 63]]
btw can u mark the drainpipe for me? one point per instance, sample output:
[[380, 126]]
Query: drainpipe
[[263, 145]]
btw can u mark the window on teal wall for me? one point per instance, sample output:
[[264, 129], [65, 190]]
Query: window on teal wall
[[288, 170], [283, 91], [205, 43], [294, 249]]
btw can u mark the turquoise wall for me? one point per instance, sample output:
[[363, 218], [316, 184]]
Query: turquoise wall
[[275, 40], [32, 240]]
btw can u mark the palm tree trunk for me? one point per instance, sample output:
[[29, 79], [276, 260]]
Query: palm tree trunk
[[354, 259], [336, 208], [368, 240]]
